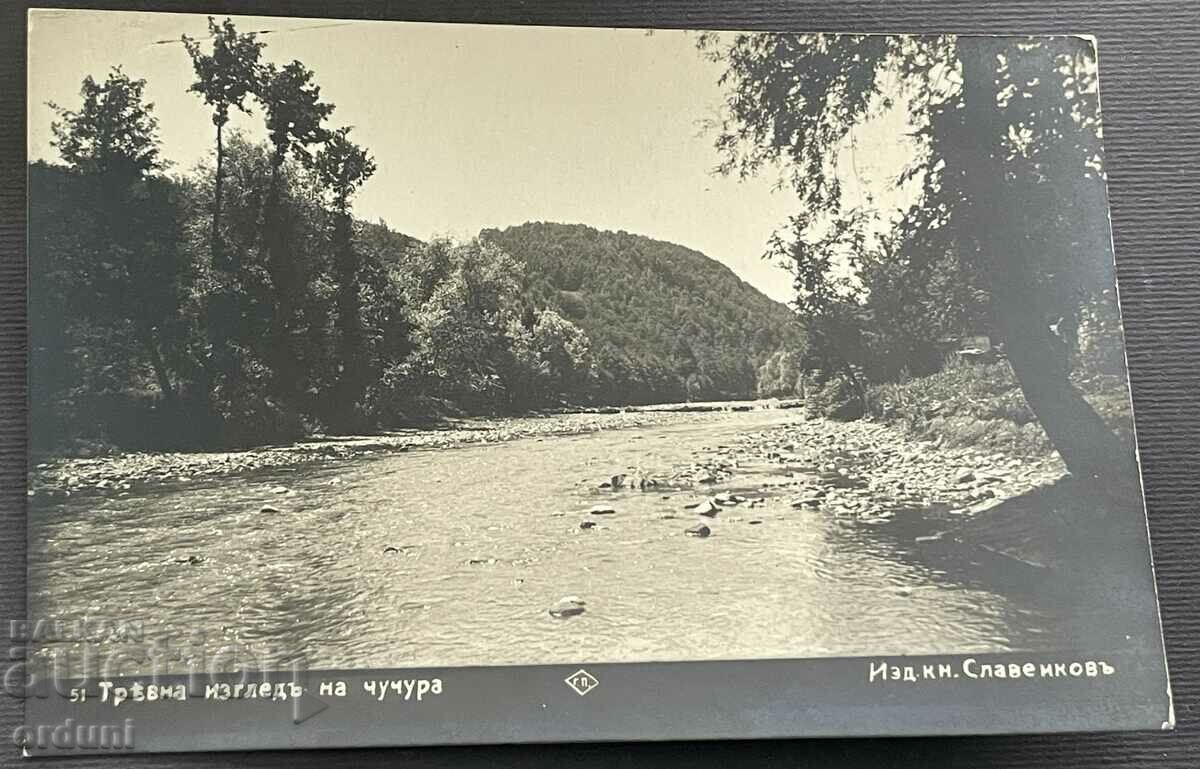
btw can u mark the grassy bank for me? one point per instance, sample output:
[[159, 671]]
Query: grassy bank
[[973, 405]]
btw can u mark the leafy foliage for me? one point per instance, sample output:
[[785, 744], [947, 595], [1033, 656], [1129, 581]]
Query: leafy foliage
[[341, 167], [1007, 238], [230, 74], [113, 264], [113, 133]]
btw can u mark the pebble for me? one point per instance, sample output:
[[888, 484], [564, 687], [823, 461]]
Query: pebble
[[699, 530], [58, 476], [568, 606]]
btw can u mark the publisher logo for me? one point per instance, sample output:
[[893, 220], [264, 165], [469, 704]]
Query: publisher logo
[[582, 682]]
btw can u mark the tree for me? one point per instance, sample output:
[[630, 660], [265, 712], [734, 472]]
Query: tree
[[294, 116], [459, 331], [224, 78], [113, 134], [128, 268], [1011, 182], [342, 167]]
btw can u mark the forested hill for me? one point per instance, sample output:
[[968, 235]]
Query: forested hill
[[665, 322]]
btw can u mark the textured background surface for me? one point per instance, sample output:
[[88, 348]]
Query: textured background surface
[[1149, 60]]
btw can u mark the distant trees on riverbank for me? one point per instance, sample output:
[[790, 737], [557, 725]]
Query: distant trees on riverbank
[[242, 302]]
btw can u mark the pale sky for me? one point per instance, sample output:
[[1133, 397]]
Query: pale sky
[[476, 126]]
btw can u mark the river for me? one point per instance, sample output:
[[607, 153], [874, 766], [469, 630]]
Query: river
[[453, 556]]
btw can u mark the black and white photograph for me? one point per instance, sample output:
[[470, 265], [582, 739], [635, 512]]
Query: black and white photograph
[[372, 344]]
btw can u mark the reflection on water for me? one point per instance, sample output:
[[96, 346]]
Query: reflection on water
[[485, 540]]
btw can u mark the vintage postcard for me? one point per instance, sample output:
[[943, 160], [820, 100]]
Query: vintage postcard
[[412, 383]]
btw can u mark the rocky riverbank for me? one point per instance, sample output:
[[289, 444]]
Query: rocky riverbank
[[872, 471], [859, 470], [862, 471], [128, 472]]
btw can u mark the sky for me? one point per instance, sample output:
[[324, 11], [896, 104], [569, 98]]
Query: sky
[[475, 126]]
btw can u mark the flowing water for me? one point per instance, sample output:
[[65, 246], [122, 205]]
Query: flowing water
[[486, 539]]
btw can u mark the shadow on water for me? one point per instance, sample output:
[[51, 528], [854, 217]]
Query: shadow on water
[[1070, 549]]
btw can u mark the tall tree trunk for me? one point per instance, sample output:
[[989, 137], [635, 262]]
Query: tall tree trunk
[[351, 382], [218, 256], [150, 345], [1087, 446], [280, 352], [218, 365]]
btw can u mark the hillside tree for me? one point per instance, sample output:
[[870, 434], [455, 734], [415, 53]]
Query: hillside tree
[[128, 273], [342, 167], [224, 79], [295, 118]]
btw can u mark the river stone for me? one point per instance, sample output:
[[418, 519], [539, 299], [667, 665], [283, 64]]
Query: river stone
[[699, 530], [280, 490], [839, 481], [268, 509], [707, 508], [966, 477], [568, 606], [602, 510], [587, 525]]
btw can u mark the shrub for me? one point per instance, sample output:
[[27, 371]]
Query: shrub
[[836, 398], [982, 405]]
